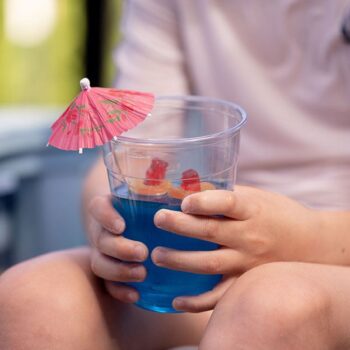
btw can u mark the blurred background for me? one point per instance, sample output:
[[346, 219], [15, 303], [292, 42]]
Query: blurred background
[[46, 47]]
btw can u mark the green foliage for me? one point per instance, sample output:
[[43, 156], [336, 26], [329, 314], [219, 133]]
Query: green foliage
[[49, 73]]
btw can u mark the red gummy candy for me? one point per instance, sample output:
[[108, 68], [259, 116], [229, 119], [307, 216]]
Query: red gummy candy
[[156, 172], [190, 181]]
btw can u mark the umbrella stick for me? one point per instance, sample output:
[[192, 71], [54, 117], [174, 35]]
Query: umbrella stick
[[114, 154]]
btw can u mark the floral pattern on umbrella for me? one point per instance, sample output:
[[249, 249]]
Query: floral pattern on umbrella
[[97, 115]]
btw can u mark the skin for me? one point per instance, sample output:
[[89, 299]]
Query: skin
[[256, 228], [253, 230], [55, 302], [283, 284]]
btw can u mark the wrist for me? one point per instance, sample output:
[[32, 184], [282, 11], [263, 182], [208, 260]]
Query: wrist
[[331, 238]]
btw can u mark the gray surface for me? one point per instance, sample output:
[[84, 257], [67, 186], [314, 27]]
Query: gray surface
[[47, 212], [25, 128], [40, 187]]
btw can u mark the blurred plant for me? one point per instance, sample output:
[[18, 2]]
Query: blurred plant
[[42, 49], [45, 71]]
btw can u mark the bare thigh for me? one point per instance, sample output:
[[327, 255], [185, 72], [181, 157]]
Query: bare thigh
[[56, 295], [284, 305]]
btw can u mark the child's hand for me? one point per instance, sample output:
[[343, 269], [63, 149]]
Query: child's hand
[[254, 227], [110, 250]]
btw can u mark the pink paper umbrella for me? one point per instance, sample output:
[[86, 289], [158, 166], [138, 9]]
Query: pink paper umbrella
[[98, 115]]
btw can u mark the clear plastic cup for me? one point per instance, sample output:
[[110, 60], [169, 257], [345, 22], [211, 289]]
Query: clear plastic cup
[[188, 144]]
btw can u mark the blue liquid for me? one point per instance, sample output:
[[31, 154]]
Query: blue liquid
[[161, 285]]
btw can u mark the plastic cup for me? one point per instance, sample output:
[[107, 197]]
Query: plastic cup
[[156, 165]]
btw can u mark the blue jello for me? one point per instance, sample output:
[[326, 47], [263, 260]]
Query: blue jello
[[161, 285]]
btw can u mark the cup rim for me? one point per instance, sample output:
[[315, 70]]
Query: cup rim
[[189, 140]]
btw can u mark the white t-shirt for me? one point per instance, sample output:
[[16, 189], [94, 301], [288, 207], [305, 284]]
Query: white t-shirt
[[285, 62]]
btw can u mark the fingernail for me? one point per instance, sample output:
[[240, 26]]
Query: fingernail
[[119, 226], [158, 256], [160, 218], [132, 296], [185, 205], [178, 303], [137, 273], [140, 253]]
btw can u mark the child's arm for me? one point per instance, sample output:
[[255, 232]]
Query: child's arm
[[256, 227]]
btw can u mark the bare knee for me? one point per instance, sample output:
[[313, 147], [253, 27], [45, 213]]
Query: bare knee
[[277, 292], [46, 303], [273, 302]]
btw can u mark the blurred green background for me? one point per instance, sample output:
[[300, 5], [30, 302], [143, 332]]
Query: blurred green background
[[43, 48]]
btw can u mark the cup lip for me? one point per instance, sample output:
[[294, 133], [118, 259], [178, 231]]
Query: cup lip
[[198, 139]]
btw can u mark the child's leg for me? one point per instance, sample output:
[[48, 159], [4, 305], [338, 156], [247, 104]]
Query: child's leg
[[288, 306], [54, 302]]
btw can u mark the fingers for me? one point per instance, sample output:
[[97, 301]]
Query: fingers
[[120, 247], [110, 250], [115, 270], [103, 212], [233, 204], [220, 261], [105, 236], [222, 231], [203, 302], [122, 292]]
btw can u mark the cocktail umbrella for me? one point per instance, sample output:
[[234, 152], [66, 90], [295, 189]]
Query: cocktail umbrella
[[98, 115]]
